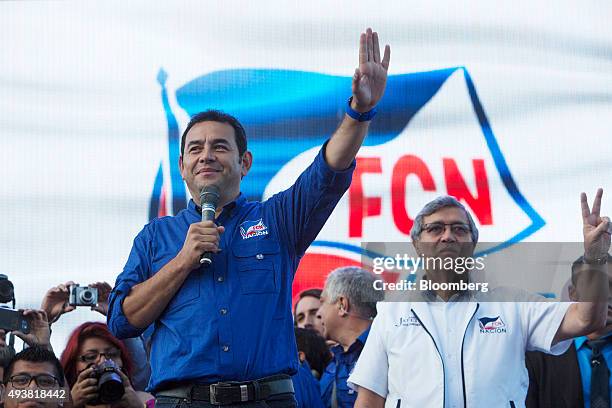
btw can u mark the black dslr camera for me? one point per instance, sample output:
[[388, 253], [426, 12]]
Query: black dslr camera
[[10, 319], [110, 386], [82, 296], [7, 290]]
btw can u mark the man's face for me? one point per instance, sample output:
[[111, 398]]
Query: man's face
[[211, 157], [575, 296], [306, 314], [330, 316], [32, 369], [439, 240]]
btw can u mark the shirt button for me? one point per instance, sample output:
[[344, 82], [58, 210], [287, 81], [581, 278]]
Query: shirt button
[[220, 279], [223, 311], [259, 256], [225, 348]]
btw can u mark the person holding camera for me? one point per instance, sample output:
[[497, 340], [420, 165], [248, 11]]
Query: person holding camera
[[39, 333], [65, 297], [98, 369]]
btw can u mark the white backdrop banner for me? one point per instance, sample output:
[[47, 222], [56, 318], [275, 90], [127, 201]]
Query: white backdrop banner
[[507, 106]]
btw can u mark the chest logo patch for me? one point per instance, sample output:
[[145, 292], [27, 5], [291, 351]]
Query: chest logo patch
[[492, 325], [250, 229], [408, 321]]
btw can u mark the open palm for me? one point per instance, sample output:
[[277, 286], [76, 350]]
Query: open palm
[[370, 77]]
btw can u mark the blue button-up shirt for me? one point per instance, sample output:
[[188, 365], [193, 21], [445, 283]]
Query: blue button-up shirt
[[583, 354], [232, 320], [338, 371]]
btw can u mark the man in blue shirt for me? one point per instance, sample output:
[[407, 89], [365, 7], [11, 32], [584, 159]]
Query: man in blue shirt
[[348, 306], [571, 379], [232, 321]]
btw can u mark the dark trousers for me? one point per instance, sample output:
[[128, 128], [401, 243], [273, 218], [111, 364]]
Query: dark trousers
[[275, 401]]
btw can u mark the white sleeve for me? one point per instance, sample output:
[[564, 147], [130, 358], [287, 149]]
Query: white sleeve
[[372, 368], [541, 321]]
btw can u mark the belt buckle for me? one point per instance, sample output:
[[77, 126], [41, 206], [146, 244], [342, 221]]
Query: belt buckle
[[213, 388], [213, 393]]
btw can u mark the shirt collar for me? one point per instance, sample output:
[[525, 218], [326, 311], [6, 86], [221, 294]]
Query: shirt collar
[[237, 203], [364, 336], [579, 341], [359, 342]]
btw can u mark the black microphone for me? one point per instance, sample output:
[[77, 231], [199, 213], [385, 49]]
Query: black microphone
[[209, 198]]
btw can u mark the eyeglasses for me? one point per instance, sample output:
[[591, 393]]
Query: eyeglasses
[[42, 380], [458, 229], [92, 357]]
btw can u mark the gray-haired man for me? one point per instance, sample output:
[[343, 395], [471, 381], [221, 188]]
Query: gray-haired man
[[442, 352], [348, 306]]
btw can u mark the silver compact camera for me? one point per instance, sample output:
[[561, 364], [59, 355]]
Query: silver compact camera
[[83, 296]]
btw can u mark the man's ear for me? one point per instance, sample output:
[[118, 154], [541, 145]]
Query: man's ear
[[343, 305], [181, 166], [247, 162], [302, 356]]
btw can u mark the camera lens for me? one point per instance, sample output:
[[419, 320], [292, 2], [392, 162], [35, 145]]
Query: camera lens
[[86, 296], [6, 289], [110, 386]]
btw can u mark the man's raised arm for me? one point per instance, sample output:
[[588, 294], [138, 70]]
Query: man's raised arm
[[368, 87], [589, 314]]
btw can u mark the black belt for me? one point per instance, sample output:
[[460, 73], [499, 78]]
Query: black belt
[[231, 392]]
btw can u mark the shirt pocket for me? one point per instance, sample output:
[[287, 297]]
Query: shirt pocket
[[258, 266]]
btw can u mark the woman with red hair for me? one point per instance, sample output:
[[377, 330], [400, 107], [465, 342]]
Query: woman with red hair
[[88, 346]]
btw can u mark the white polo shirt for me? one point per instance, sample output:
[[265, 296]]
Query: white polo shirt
[[456, 354]]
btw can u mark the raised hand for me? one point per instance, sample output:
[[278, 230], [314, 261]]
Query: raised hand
[[40, 334], [55, 302], [595, 228], [104, 290], [370, 77]]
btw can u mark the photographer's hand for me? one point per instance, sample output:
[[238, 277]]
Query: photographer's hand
[[85, 389], [55, 302], [130, 398], [40, 334], [104, 290]]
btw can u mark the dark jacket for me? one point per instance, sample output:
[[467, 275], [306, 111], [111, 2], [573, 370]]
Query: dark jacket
[[554, 381]]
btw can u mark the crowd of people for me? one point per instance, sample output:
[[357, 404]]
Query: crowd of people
[[185, 333]]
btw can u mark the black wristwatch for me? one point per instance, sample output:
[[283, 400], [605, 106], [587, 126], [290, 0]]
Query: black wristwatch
[[597, 261]]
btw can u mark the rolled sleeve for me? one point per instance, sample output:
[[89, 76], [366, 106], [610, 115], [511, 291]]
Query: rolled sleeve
[[116, 320], [372, 369], [136, 270], [341, 179], [308, 203]]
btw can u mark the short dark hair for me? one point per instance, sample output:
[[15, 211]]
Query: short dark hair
[[313, 292], [36, 354], [6, 355], [221, 117], [313, 345], [579, 262]]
